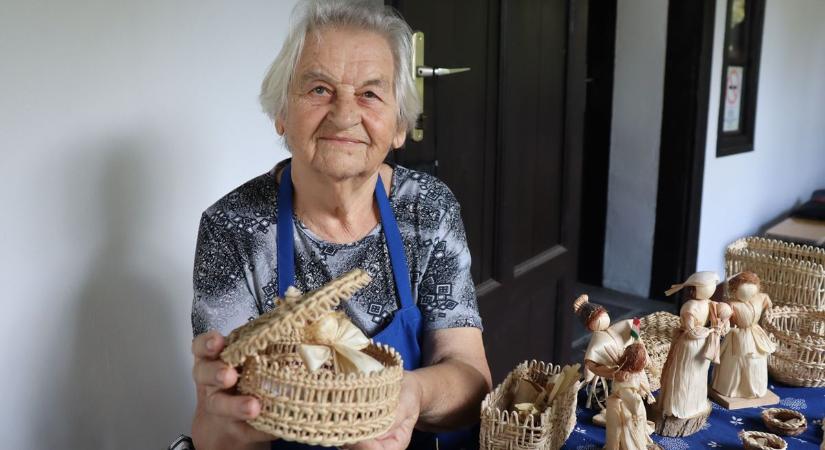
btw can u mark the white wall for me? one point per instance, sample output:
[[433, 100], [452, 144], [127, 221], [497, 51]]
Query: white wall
[[641, 41], [120, 121], [744, 192]]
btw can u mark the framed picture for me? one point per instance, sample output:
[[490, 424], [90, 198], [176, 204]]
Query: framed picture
[[740, 76]]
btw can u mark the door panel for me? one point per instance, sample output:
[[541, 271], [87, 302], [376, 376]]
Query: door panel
[[506, 138]]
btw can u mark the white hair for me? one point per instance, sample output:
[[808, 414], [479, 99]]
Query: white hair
[[312, 15]]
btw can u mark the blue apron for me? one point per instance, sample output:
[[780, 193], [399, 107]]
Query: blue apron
[[403, 333]]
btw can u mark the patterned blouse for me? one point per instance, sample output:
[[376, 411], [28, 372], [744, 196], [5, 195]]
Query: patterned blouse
[[235, 274]]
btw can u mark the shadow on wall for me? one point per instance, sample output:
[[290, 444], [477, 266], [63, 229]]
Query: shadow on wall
[[120, 392]]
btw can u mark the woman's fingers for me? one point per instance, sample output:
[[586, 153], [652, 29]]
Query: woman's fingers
[[237, 407], [208, 345], [214, 374]]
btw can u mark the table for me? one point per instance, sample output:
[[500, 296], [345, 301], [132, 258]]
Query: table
[[722, 429]]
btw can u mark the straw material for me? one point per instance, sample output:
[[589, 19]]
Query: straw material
[[790, 274], [502, 429], [657, 334], [799, 334], [751, 441], [784, 421], [326, 407]]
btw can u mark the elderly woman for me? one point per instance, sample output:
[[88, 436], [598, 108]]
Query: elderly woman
[[341, 94]]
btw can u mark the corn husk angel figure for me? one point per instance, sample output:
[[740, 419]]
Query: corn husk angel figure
[[683, 407], [607, 344], [743, 369], [627, 425]]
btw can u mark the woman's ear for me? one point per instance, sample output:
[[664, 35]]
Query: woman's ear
[[399, 138], [279, 125]]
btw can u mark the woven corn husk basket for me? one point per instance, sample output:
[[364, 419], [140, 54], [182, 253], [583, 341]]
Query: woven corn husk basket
[[326, 407], [777, 421], [789, 273], [773, 442], [799, 335], [502, 429], [657, 334]]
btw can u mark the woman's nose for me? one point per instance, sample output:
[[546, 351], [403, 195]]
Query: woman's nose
[[345, 112]]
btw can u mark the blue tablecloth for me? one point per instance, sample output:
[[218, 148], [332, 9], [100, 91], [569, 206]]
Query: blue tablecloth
[[722, 429]]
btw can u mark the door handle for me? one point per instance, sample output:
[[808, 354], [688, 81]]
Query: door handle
[[420, 71]]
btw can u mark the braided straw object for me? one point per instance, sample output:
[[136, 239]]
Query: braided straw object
[[777, 421], [325, 407], [791, 274], [799, 334], [502, 429], [657, 334], [750, 442]]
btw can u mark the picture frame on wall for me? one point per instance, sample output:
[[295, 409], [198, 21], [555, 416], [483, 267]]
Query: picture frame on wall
[[740, 76]]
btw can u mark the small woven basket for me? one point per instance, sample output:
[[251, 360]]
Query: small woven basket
[[502, 429], [799, 335], [777, 421], [657, 334], [790, 274], [325, 407], [750, 440]]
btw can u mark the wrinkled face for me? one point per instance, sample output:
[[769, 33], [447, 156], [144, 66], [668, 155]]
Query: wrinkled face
[[342, 116]]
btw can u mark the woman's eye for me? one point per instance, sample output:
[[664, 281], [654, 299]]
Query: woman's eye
[[320, 90], [370, 94]]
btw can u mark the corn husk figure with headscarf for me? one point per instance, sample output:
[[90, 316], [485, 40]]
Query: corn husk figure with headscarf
[[683, 404]]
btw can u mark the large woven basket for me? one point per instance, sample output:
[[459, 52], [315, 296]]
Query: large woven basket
[[799, 334], [790, 274], [326, 407], [502, 429], [657, 334]]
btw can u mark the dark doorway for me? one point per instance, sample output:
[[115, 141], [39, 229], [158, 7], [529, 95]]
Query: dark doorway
[[506, 137], [601, 45], [682, 154]]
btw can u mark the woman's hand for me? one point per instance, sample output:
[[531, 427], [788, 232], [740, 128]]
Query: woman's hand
[[406, 415], [220, 416]]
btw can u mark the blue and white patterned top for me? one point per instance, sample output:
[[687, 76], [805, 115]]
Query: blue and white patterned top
[[235, 276]]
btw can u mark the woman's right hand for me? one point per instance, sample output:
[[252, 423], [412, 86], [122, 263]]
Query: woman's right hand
[[220, 415]]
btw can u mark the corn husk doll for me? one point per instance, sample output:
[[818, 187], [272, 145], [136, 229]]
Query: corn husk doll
[[627, 426]]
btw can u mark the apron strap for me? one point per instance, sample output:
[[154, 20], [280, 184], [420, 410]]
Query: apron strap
[[398, 259], [285, 239]]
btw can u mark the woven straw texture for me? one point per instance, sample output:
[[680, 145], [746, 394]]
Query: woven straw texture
[[749, 441], [502, 429], [326, 407], [790, 274], [657, 334], [799, 334], [776, 421]]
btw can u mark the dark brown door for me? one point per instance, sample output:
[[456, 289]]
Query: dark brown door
[[506, 138]]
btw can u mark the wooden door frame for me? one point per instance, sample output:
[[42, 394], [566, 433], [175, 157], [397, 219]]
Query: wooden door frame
[[688, 58], [601, 47]]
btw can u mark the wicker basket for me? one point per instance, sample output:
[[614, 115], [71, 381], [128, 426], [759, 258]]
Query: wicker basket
[[799, 334], [657, 334], [502, 429], [773, 442], [325, 407], [790, 274], [777, 421]]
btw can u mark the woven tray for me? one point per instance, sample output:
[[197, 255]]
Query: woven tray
[[502, 429], [749, 441], [799, 334], [657, 334], [325, 407], [790, 274], [776, 421]]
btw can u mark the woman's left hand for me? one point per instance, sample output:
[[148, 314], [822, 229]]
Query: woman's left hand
[[406, 416]]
